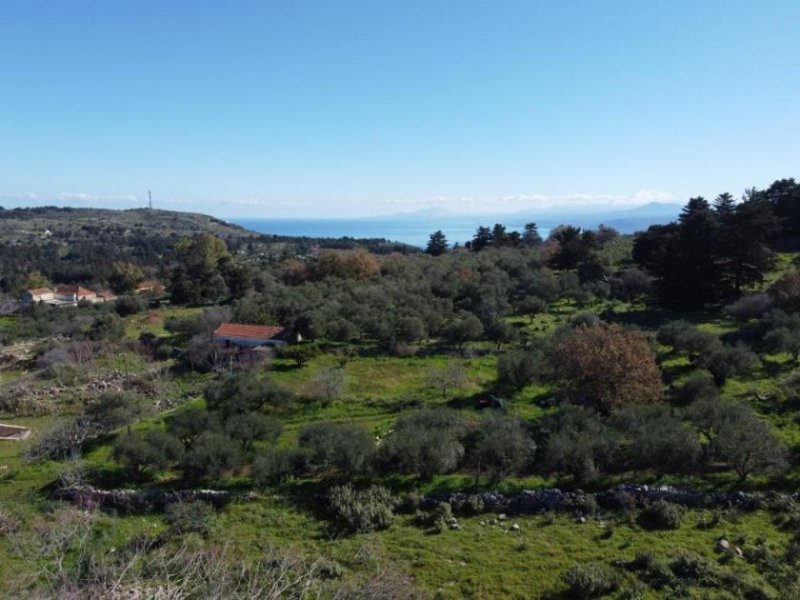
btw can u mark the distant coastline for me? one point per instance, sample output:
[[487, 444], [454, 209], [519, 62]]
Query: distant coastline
[[416, 229], [412, 232]]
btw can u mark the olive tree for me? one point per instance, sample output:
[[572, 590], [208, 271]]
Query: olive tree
[[501, 448]]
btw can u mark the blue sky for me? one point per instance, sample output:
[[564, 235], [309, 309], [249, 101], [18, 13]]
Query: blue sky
[[319, 109]]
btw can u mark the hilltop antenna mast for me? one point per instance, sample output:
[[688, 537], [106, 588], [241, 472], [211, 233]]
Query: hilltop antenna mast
[[149, 199]]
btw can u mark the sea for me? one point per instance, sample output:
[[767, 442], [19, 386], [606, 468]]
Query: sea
[[414, 232]]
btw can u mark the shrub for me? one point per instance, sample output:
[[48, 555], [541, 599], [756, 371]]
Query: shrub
[[590, 580], [153, 450], [501, 332], [437, 520], [427, 443], [67, 375], [657, 439], [211, 455], [62, 441], [193, 516], [585, 319], [694, 568], [532, 306], [7, 524], [623, 500], [725, 361], [163, 352], [274, 465], [581, 444], [301, 353], [745, 442], [670, 333], [54, 357], [749, 307], [107, 327], [519, 368], [661, 515], [655, 572], [684, 337], [130, 305], [784, 339], [244, 392], [697, 388], [631, 284], [502, 447], [116, 409], [187, 425], [362, 511], [327, 384], [251, 427], [345, 446], [464, 329]]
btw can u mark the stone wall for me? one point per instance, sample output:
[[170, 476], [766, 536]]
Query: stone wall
[[622, 496], [143, 501]]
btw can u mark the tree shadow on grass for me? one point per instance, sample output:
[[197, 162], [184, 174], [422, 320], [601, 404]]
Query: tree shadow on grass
[[654, 318], [773, 368], [675, 372], [285, 367]]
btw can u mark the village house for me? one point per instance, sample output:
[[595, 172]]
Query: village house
[[249, 336], [37, 295], [65, 295], [106, 296], [74, 293]]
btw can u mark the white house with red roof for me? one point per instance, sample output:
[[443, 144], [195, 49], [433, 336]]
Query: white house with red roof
[[65, 295], [74, 293], [37, 295]]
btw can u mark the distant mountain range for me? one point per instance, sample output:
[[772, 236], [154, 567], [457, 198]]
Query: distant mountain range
[[623, 219]]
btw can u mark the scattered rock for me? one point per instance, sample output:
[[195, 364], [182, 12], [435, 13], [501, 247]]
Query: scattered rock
[[515, 527], [502, 517], [739, 552], [723, 545]]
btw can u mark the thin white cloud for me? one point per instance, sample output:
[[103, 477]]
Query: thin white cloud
[[84, 197], [260, 202], [516, 202]]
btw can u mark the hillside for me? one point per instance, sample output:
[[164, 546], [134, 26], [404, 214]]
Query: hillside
[[591, 415], [28, 224]]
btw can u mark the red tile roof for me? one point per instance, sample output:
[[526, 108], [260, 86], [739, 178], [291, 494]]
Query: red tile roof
[[39, 291], [255, 332], [74, 289]]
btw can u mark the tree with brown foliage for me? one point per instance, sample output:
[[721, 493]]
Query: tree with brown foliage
[[606, 366], [785, 292]]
